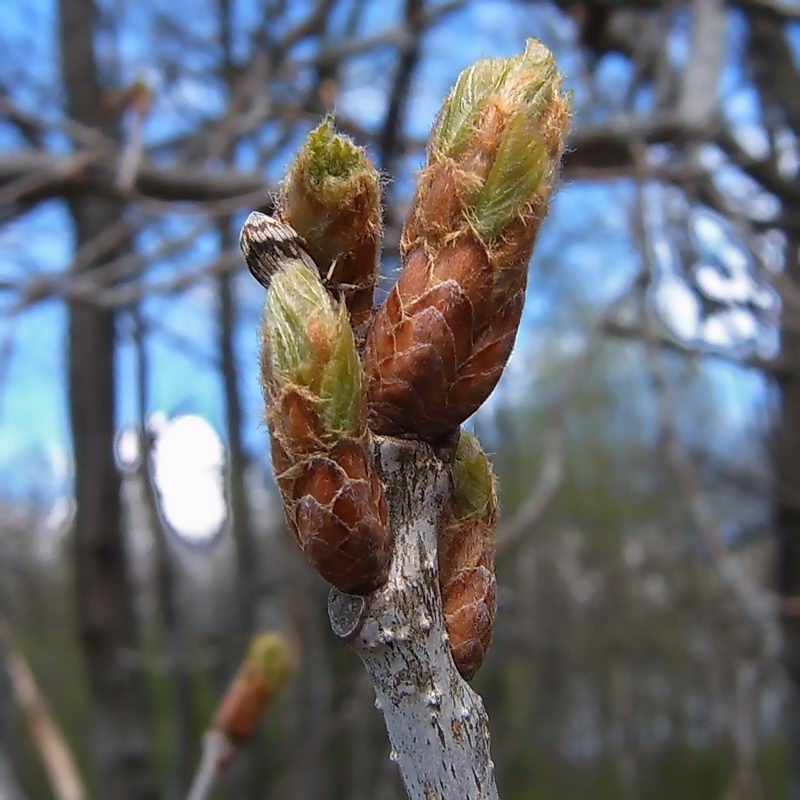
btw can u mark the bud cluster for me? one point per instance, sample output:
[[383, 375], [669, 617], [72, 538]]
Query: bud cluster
[[335, 371]]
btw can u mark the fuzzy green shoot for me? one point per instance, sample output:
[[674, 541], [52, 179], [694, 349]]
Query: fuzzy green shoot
[[311, 345], [499, 124]]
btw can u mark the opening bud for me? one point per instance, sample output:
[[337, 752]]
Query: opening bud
[[331, 196], [439, 344], [308, 344]]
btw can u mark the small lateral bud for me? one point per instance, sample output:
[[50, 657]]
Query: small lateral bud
[[312, 383], [261, 676], [439, 343], [331, 196], [466, 557]]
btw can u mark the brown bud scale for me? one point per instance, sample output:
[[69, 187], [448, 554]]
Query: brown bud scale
[[331, 493], [439, 344]]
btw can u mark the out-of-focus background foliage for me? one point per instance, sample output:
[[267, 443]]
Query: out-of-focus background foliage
[[646, 434]]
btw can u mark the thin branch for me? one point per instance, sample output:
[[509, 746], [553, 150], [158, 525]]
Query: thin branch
[[516, 530], [699, 100], [783, 10], [45, 734], [398, 96], [217, 751], [758, 607], [771, 366], [603, 146]]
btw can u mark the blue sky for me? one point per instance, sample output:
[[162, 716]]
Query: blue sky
[[586, 236]]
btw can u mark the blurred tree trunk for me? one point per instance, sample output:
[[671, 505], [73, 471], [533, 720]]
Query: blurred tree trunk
[[247, 773], [104, 603], [313, 691], [788, 523], [624, 746], [227, 314], [239, 507], [9, 788], [776, 76], [179, 710]]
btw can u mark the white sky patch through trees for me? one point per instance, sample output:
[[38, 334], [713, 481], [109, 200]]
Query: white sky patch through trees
[[189, 461], [742, 309], [188, 470]]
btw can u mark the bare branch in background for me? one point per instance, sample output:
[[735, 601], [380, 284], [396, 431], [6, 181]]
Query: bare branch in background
[[516, 530], [757, 606], [48, 740], [699, 99]]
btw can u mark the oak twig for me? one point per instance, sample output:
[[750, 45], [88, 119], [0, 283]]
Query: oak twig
[[437, 726]]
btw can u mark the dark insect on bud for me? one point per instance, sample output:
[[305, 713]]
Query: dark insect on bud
[[267, 244]]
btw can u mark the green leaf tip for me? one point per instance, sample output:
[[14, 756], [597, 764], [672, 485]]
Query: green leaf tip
[[504, 121], [474, 87], [473, 479], [311, 345], [519, 168], [327, 162], [340, 387], [270, 654]]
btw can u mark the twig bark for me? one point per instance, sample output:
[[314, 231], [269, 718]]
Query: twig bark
[[437, 726], [217, 750]]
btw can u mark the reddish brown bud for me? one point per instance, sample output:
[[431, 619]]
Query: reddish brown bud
[[439, 343], [466, 558], [331, 196], [311, 376]]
